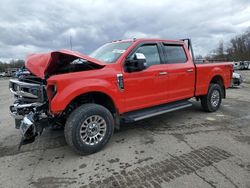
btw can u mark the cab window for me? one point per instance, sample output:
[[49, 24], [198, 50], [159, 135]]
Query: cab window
[[151, 53], [175, 53]]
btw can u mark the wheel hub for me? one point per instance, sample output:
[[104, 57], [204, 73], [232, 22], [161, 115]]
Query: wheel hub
[[93, 130], [215, 98]]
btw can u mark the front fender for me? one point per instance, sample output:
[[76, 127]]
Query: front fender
[[66, 94]]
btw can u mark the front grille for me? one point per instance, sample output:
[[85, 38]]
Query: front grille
[[27, 90]]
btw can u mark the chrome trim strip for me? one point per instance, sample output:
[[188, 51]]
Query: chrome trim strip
[[23, 83], [12, 91], [162, 112], [27, 105], [190, 70], [163, 73], [26, 94]]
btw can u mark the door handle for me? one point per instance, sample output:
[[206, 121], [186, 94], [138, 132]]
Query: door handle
[[190, 70], [162, 73]]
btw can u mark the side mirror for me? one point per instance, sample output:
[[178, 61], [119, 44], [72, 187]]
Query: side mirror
[[137, 63]]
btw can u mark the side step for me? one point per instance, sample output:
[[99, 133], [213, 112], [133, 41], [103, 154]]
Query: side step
[[154, 111]]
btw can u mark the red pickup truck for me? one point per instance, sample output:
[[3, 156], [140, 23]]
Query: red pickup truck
[[126, 80]]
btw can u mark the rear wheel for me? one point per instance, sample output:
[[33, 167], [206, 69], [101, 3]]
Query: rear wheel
[[212, 101], [89, 128]]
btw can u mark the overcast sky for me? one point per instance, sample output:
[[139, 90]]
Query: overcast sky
[[28, 26]]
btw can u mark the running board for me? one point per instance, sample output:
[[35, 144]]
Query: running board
[[154, 111]]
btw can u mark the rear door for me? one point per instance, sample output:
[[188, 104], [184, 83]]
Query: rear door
[[180, 71]]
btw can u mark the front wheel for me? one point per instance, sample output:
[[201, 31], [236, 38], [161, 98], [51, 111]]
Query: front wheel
[[212, 101], [89, 128]]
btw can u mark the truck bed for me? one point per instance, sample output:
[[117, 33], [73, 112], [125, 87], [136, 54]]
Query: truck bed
[[206, 71]]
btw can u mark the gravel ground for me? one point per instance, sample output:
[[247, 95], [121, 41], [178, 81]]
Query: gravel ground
[[186, 148]]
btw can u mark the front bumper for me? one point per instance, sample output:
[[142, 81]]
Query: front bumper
[[19, 111], [29, 110], [237, 81]]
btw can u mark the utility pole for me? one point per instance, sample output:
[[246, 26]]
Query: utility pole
[[70, 40]]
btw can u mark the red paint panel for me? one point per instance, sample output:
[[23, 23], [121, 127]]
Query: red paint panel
[[141, 89]]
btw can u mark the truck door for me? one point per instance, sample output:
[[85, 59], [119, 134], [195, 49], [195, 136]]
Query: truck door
[[180, 72], [145, 88]]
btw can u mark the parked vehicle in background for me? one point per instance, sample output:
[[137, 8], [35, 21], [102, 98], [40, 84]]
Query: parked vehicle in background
[[11, 72], [21, 72], [125, 80], [236, 65], [236, 79], [2, 74], [244, 65]]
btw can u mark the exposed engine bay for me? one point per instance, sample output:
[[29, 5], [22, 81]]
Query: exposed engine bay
[[68, 65]]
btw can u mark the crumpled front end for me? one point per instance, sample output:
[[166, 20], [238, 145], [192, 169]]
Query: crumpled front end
[[30, 107], [44, 65]]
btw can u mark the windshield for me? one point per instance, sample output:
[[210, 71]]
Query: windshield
[[110, 52]]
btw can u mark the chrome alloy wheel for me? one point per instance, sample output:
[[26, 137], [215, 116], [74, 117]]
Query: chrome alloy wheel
[[215, 98], [93, 130]]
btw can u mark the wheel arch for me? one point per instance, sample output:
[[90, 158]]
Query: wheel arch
[[218, 79], [96, 97]]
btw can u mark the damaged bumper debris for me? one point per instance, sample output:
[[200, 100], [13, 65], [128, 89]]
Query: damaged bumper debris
[[29, 109]]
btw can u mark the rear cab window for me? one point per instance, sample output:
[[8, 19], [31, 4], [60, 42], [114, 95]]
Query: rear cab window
[[175, 53]]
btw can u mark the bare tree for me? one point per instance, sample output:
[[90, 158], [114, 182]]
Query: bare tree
[[12, 64], [237, 50]]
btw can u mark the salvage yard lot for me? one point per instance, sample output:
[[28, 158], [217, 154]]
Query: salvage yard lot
[[186, 148]]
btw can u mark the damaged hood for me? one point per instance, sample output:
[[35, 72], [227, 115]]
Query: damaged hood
[[43, 64]]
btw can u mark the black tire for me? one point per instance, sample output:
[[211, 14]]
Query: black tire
[[206, 101], [74, 125]]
